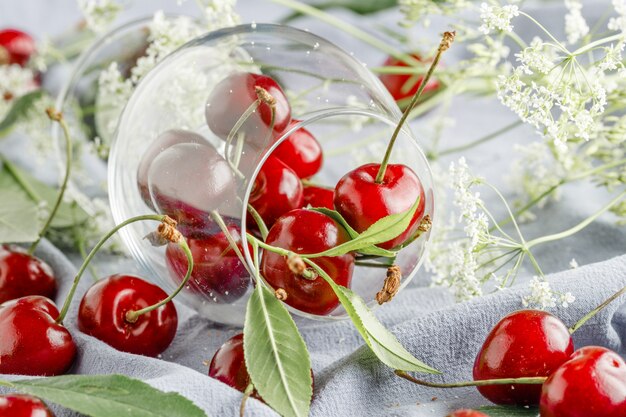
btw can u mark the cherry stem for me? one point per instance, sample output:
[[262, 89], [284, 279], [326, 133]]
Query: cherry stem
[[446, 41], [132, 316], [504, 381], [265, 97], [217, 218], [57, 117], [246, 394], [259, 221], [596, 310], [309, 183], [101, 242], [231, 135]]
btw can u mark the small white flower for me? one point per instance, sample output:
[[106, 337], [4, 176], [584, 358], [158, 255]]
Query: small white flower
[[566, 299], [618, 23], [541, 295], [495, 17], [535, 58], [575, 24], [573, 264], [99, 14], [419, 10]]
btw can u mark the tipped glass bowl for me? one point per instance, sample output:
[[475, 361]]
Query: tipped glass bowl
[[331, 94]]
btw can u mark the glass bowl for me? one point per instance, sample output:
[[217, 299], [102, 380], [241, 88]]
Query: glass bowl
[[166, 158]]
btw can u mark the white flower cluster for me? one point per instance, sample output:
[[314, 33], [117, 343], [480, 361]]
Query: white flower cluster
[[618, 23], [113, 93], [575, 24], [543, 297], [419, 10], [220, 14], [497, 18], [99, 14], [15, 81]]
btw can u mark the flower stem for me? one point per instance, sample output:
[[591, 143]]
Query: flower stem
[[592, 45], [505, 381], [596, 310], [579, 226], [446, 41], [482, 140], [83, 267], [57, 117]]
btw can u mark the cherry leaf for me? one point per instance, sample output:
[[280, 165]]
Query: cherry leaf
[[276, 356], [18, 110], [19, 217], [108, 396]]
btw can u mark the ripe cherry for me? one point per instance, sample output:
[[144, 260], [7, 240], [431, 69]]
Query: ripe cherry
[[233, 96], [467, 413], [315, 196], [20, 405], [16, 47], [307, 231], [228, 365], [525, 343], [218, 273], [362, 201], [404, 86], [32, 343], [103, 315], [277, 190], [161, 143], [300, 152], [22, 274], [187, 181], [592, 383]]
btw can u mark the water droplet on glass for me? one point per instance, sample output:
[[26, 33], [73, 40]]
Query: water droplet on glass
[[308, 52], [253, 25], [316, 45]]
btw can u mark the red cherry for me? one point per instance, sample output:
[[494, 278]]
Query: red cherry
[[228, 365], [218, 273], [591, 384], [307, 231], [277, 190], [102, 314], [20, 405], [300, 152], [187, 181], [397, 83], [22, 274], [362, 202], [16, 47], [161, 143], [31, 342], [231, 98], [467, 413], [315, 196], [526, 343]]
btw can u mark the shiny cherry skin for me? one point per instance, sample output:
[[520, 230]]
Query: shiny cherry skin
[[396, 83], [231, 98], [525, 343], [315, 196], [228, 365], [591, 384], [102, 314], [162, 142], [277, 189], [307, 231], [21, 405], [31, 341], [362, 202], [16, 47], [189, 180], [22, 274], [300, 152], [218, 273], [467, 413]]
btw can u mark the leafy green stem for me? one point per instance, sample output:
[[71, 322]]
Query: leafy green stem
[[480, 383], [596, 310]]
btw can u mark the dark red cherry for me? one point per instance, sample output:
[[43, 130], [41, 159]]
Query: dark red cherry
[[21, 405], [187, 181], [403, 86], [16, 47], [102, 314], [591, 384], [315, 196], [218, 273], [31, 342], [307, 231], [526, 343], [300, 152], [22, 274], [228, 365], [362, 202], [162, 142], [231, 98], [277, 190], [467, 413]]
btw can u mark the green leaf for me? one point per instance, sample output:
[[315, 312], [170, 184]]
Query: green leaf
[[501, 411], [109, 395], [381, 341], [276, 356], [18, 110], [68, 214], [19, 216], [383, 230], [363, 7]]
